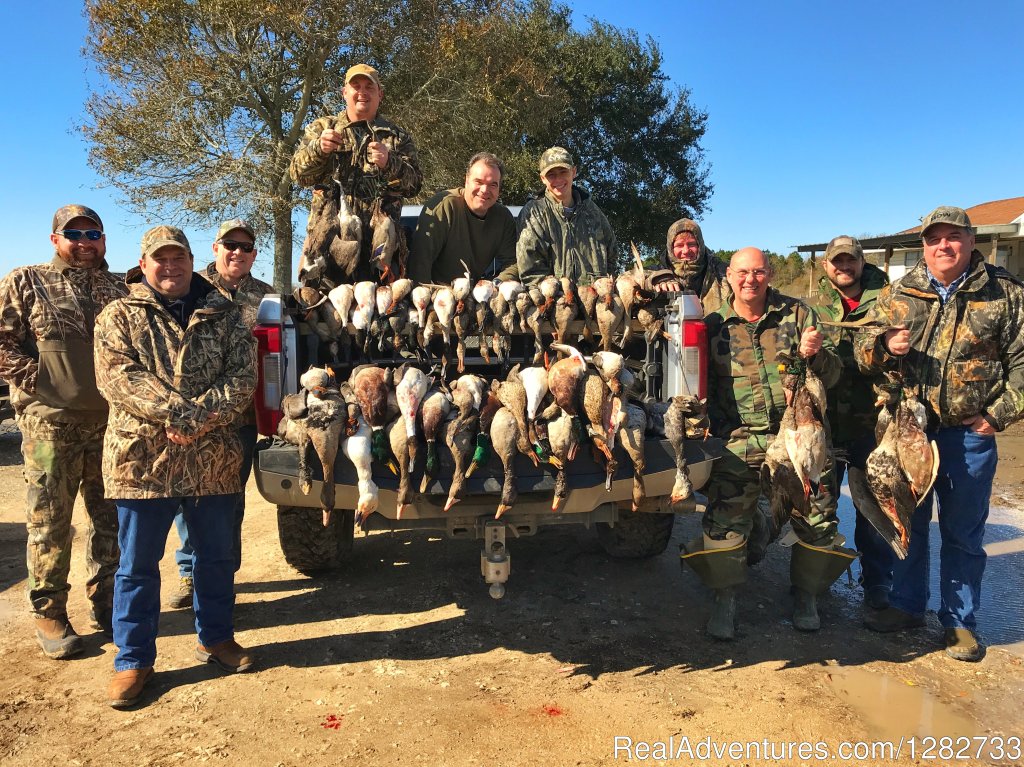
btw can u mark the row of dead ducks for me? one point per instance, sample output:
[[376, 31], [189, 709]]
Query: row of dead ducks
[[407, 316], [381, 415], [899, 472]]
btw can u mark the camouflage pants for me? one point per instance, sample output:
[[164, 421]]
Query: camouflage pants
[[734, 490], [60, 461]]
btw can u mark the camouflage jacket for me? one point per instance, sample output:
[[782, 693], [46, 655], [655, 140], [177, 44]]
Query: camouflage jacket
[[46, 338], [967, 355], [400, 178], [580, 245], [156, 374], [851, 402], [248, 296], [745, 394]]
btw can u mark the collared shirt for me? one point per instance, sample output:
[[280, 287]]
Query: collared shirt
[[944, 291]]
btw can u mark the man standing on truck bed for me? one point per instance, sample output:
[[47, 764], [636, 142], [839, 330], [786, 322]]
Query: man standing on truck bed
[[563, 233], [690, 265], [46, 339], [176, 362], [958, 323], [373, 158], [234, 252], [846, 292], [467, 224], [745, 338]]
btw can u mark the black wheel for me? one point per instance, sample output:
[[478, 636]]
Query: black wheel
[[310, 547], [635, 535]]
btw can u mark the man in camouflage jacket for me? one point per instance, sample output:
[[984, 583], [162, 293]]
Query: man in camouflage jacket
[[374, 159], [46, 337], [746, 337], [956, 333], [563, 233], [690, 265], [176, 362], [230, 272], [846, 292]]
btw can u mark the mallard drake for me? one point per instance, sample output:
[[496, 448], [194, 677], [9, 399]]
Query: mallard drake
[[433, 411], [370, 385]]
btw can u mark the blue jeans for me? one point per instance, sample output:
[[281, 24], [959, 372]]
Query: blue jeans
[[142, 534], [877, 556], [967, 466], [184, 555]]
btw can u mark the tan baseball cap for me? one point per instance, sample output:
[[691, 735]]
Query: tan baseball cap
[[946, 214], [69, 212], [236, 223], [362, 69], [159, 236], [844, 243], [555, 157]]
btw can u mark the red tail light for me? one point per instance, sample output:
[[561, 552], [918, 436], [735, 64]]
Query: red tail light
[[695, 357], [269, 383]]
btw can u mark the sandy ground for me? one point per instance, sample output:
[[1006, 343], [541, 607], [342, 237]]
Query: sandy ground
[[405, 659]]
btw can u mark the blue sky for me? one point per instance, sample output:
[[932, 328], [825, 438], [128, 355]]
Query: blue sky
[[824, 117]]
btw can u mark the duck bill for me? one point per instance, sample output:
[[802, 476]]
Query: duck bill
[[326, 517]]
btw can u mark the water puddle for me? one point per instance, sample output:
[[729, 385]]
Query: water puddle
[[1001, 615], [892, 709]]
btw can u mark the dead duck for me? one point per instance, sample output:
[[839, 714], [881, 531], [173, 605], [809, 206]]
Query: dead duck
[[482, 452], [633, 433], [919, 456], [891, 489], [318, 313], [370, 386], [433, 412], [399, 441], [458, 436], [608, 312], [531, 318], [483, 293], [506, 439], [603, 415], [588, 297], [324, 423], [565, 440], [566, 309], [385, 243], [512, 394], [411, 386], [358, 449], [363, 312], [806, 441], [535, 382], [565, 379], [675, 433], [627, 289]]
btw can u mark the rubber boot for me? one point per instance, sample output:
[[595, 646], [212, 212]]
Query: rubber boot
[[812, 569], [721, 565]]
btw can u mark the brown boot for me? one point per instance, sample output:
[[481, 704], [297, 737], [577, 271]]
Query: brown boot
[[126, 686], [57, 638], [229, 655], [182, 597]]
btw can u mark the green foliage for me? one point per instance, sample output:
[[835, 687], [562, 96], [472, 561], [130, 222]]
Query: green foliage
[[202, 103]]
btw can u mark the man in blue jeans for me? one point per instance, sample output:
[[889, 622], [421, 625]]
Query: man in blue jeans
[[234, 252], [176, 363], [956, 331]]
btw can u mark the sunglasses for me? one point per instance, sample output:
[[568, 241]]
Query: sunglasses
[[245, 247], [76, 234]]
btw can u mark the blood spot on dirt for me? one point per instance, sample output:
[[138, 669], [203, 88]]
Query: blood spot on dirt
[[332, 722], [552, 710]]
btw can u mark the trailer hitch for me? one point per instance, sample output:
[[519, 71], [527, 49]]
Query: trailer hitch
[[495, 562]]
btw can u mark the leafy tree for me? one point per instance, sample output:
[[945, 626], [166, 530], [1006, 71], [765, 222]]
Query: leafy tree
[[202, 103]]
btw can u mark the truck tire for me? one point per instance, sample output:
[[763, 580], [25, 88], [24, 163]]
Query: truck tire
[[310, 547], [635, 536]]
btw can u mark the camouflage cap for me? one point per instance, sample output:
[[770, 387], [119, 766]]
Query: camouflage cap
[[844, 243], [946, 214], [159, 236], [362, 69], [555, 157], [236, 223], [69, 212]]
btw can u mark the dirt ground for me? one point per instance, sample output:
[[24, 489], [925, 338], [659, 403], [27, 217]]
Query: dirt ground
[[405, 659]]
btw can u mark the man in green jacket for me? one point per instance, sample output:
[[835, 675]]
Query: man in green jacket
[[956, 331], [466, 225], [747, 337], [846, 293], [563, 233]]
